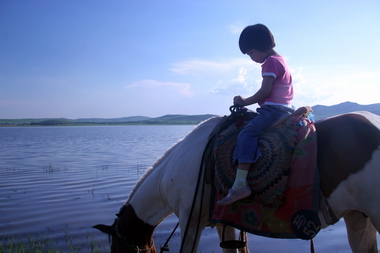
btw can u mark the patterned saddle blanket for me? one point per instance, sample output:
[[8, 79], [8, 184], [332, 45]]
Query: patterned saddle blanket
[[267, 177], [283, 181]]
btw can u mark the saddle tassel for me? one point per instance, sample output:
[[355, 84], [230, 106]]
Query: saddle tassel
[[312, 246]]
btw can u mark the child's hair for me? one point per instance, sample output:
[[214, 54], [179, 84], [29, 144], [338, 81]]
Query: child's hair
[[256, 37]]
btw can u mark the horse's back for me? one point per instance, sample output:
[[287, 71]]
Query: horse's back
[[349, 162]]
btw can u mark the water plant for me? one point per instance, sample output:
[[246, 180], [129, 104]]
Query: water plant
[[43, 244], [55, 167]]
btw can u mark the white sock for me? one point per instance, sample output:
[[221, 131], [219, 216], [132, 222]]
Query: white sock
[[240, 180]]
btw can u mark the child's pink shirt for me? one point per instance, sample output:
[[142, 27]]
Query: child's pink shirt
[[282, 89]]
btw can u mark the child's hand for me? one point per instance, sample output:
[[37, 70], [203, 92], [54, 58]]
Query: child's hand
[[239, 101]]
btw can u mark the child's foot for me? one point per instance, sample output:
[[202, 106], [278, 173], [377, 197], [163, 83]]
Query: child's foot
[[233, 196]]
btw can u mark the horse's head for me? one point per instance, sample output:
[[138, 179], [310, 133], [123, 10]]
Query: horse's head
[[128, 233]]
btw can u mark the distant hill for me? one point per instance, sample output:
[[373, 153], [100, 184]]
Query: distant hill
[[31, 121], [323, 111], [179, 119], [21, 121], [320, 112], [134, 120], [114, 120]]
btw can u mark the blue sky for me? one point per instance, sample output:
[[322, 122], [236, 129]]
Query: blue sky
[[106, 59]]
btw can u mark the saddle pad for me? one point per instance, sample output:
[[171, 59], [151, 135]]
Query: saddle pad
[[267, 177], [271, 216]]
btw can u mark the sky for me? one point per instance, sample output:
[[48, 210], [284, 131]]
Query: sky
[[119, 58]]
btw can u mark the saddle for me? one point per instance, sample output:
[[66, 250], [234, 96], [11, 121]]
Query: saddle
[[283, 180]]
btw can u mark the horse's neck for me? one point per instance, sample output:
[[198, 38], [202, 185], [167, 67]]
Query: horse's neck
[[172, 179], [147, 200]]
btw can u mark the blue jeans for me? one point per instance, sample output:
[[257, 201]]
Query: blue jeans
[[247, 150]]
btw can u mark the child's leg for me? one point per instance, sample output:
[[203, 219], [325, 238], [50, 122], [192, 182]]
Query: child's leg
[[240, 189], [241, 176], [247, 151]]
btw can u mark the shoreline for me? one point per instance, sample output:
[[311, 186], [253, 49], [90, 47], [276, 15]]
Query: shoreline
[[100, 124]]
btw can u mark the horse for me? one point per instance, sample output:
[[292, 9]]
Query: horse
[[348, 160]]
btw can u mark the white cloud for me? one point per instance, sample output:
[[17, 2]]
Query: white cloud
[[306, 91], [239, 85], [182, 88], [327, 85], [242, 76], [236, 28], [226, 77], [202, 68], [330, 88], [356, 85]]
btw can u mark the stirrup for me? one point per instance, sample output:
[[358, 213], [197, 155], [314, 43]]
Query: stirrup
[[233, 244]]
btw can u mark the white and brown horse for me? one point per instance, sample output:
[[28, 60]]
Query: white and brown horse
[[348, 163]]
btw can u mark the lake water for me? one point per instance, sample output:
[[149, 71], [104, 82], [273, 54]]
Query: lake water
[[57, 182]]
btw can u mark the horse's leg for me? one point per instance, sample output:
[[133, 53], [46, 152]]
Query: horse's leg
[[245, 249], [229, 234], [362, 235], [190, 233]]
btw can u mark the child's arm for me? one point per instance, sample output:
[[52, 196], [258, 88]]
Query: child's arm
[[260, 95]]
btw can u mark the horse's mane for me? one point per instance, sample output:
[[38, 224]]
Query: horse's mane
[[200, 126]]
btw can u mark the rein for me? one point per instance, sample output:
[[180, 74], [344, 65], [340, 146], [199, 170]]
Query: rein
[[166, 246], [193, 207], [121, 234], [236, 111]]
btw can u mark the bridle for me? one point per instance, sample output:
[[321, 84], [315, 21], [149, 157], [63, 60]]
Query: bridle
[[130, 247]]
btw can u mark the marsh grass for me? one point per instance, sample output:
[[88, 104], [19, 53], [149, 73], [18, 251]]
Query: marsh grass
[[45, 244], [55, 168], [64, 244]]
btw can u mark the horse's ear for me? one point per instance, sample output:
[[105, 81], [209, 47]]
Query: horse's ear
[[105, 229]]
